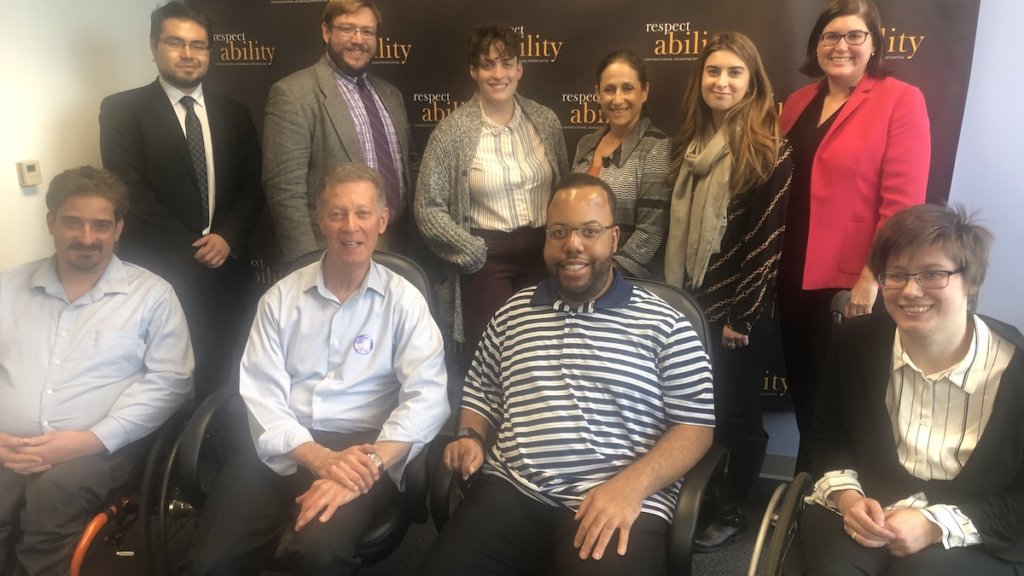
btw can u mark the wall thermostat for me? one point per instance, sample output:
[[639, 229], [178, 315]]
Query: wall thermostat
[[29, 173]]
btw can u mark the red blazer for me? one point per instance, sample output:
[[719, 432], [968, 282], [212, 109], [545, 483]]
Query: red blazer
[[872, 163]]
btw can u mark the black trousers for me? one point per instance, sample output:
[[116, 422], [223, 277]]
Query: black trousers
[[498, 530], [251, 507], [829, 551]]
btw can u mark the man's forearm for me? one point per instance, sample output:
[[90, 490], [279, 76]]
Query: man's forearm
[[679, 449]]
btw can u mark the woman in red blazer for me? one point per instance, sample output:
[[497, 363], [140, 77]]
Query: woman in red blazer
[[861, 144]]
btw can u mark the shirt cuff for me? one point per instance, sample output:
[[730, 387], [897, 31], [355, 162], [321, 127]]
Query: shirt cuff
[[832, 482], [957, 529], [273, 447], [111, 434]]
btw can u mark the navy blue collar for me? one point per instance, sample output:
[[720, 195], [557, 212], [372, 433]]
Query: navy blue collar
[[617, 296]]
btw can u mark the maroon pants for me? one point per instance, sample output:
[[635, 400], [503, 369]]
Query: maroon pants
[[515, 260]]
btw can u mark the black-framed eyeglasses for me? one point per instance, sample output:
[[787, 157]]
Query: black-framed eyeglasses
[[349, 31], [587, 232], [853, 37], [933, 279], [178, 44]]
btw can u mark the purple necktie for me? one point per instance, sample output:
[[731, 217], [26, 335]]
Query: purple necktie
[[382, 150], [196, 149]]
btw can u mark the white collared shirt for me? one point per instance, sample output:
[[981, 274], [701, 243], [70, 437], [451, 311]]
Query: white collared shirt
[[175, 95]]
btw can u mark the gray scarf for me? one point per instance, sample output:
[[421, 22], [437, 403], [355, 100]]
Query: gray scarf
[[700, 200]]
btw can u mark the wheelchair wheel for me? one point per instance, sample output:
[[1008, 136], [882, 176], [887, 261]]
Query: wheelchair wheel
[[786, 523]]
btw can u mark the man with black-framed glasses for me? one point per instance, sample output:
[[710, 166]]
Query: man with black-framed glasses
[[587, 400], [332, 112], [191, 160]]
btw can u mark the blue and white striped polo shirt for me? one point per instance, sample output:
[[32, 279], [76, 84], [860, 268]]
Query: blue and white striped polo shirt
[[578, 394]]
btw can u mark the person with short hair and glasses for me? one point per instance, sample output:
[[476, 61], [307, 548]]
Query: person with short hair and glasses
[[191, 160], [918, 447], [588, 398], [332, 112], [861, 152]]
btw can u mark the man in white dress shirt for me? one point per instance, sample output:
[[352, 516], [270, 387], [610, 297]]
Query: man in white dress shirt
[[344, 382]]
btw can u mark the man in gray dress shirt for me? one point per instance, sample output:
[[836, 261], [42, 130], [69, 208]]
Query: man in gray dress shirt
[[344, 382], [333, 112], [94, 356]]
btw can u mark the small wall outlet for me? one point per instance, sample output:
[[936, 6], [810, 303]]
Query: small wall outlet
[[29, 173]]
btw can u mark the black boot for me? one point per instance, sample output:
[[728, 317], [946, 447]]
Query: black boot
[[742, 471]]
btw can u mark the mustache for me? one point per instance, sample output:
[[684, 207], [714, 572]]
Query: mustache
[[79, 246]]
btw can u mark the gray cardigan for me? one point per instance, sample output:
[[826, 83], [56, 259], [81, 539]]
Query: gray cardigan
[[442, 192]]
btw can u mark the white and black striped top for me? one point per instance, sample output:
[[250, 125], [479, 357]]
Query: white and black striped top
[[576, 395]]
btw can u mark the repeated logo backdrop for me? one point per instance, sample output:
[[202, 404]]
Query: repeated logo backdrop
[[422, 50]]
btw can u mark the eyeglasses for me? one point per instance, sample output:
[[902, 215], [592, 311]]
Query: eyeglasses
[[587, 232], [932, 279], [349, 31], [853, 38], [178, 44]]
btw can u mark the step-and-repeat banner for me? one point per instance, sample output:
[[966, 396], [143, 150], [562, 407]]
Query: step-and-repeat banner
[[422, 50]]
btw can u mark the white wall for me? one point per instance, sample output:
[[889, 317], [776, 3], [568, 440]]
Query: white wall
[[989, 171], [59, 59]]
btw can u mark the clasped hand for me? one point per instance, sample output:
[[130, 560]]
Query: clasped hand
[[351, 468], [902, 532], [34, 454]]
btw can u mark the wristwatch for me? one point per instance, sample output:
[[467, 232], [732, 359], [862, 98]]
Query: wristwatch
[[471, 433], [378, 461]]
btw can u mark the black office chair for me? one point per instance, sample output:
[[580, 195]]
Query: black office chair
[[215, 428], [447, 488], [782, 516]]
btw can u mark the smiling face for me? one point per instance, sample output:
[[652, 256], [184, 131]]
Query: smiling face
[[351, 220], [724, 82], [936, 315], [497, 75], [845, 65], [85, 231], [184, 67], [622, 95], [352, 40], [581, 269]]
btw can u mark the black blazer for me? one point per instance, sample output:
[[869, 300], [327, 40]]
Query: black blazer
[[852, 430], [142, 142]]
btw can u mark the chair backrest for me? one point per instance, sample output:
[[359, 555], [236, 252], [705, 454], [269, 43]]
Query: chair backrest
[[409, 270], [683, 302], [397, 263]]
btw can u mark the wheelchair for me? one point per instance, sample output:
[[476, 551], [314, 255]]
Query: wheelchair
[[447, 488], [782, 516], [141, 505]]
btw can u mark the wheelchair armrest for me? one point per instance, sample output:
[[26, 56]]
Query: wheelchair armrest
[[684, 522], [190, 442], [441, 481]]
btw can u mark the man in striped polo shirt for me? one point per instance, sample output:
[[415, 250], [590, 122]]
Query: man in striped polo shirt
[[586, 402]]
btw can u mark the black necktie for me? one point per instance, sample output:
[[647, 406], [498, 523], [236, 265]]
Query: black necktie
[[382, 150], [196, 149]]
